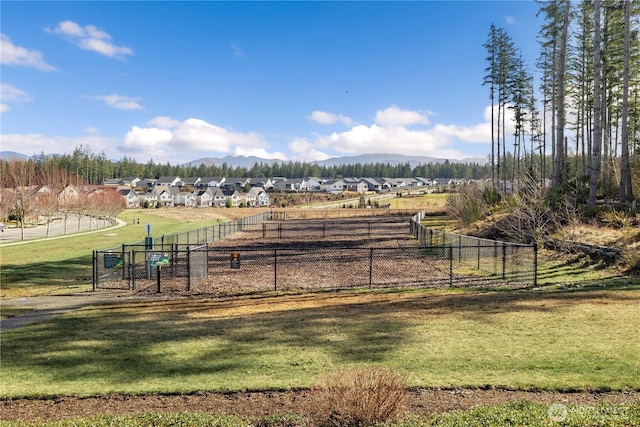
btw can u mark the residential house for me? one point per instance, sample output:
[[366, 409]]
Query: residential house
[[427, 181], [68, 194], [293, 184], [218, 198], [186, 199], [166, 198], [257, 197], [130, 181], [131, 198], [233, 196], [355, 185], [146, 183], [111, 182], [210, 181], [313, 183], [169, 181], [395, 183], [373, 185], [235, 183], [204, 198], [333, 186], [265, 183], [189, 182], [148, 199]]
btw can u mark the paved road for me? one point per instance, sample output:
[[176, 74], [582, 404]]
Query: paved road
[[57, 230]]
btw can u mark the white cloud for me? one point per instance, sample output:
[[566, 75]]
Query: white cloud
[[31, 144], [11, 54], [143, 139], [259, 152], [9, 93], [91, 129], [121, 102], [391, 134], [510, 20], [325, 118], [304, 151], [90, 38], [394, 116], [163, 122], [182, 141]]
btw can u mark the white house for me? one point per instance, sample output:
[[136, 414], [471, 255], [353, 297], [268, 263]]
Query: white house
[[333, 186], [218, 198], [186, 199], [257, 197], [210, 181], [204, 198], [131, 198]]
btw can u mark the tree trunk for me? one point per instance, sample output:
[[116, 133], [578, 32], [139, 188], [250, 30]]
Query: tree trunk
[[596, 154], [626, 191], [558, 161]]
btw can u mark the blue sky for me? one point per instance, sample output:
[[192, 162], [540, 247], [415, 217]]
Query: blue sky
[[177, 81]]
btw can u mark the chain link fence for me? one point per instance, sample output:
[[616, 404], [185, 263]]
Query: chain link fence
[[510, 262], [264, 254], [179, 257]]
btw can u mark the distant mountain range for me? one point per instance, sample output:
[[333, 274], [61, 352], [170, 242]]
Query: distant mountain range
[[249, 161], [11, 155], [391, 159]]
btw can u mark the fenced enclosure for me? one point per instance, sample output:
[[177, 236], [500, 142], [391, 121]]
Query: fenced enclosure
[[511, 262], [265, 254], [179, 257]]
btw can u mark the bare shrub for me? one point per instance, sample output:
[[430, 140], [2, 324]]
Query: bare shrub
[[363, 397], [467, 205], [530, 217], [615, 218]]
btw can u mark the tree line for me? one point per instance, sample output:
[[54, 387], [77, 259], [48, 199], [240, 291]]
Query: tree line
[[85, 167], [587, 123]]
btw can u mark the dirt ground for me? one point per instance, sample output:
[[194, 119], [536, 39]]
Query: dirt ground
[[300, 402]]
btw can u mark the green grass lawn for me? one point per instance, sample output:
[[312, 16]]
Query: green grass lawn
[[59, 266], [560, 340]]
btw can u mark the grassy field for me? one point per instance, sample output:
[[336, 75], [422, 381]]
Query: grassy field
[[58, 266], [560, 340], [577, 331]]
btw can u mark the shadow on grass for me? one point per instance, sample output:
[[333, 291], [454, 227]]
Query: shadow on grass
[[282, 337], [52, 274]]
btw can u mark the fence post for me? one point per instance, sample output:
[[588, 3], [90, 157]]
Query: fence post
[[478, 253], [504, 260], [188, 269], [132, 268], [370, 266], [450, 266], [158, 277], [264, 230], [535, 265], [275, 269], [123, 263], [94, 279]]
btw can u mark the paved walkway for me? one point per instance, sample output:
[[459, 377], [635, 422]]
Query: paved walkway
[[47, 306], [13, 236]]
